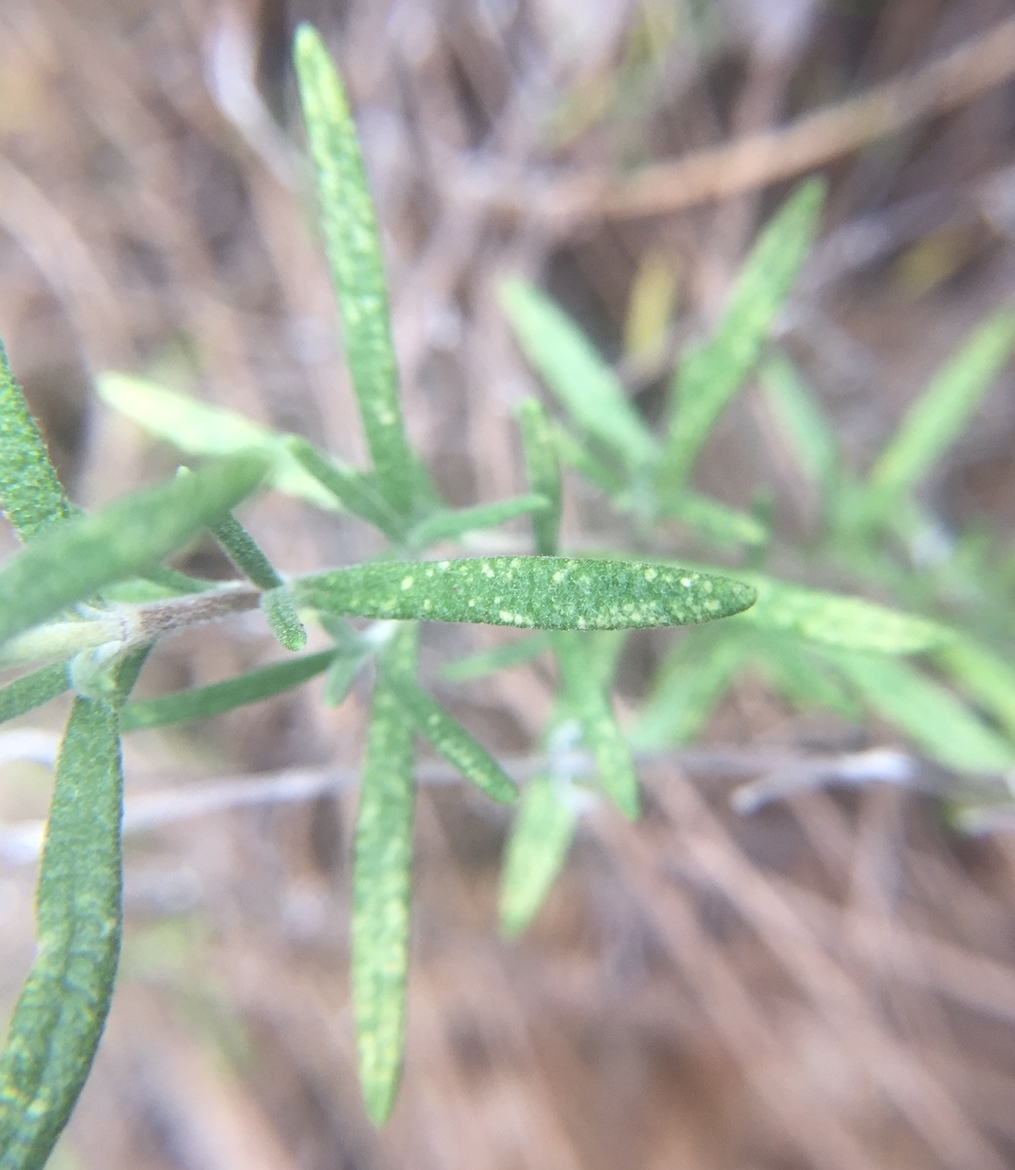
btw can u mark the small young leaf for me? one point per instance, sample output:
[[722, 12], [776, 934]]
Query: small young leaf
[[542, 470], [454, 743], [585, 386], [76, 559], [199, 429], [203, 702], [695, 675], [62, 1010], [939, 415], [536, 849], [449, 525], [382, 881], [280, 612], [709, 375], [586, 670], [837, 620], [714, 520], [542, 592], [32, 690], [351, 488], [503, 658], [30, 494], [937, 722], [986, 678], [802, 421], [354, 251]]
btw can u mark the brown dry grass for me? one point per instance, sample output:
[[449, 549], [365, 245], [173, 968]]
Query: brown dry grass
[[829, 983]]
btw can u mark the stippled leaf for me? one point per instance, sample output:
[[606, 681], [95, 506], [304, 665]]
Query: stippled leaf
[[454, 743], [203, 702], [62, 1009], [709, 375], [536, 849], [449, 525], [382, 881], [945, 407], [32, 690], [542, 471], [929, 714], [280, 613], [584, 385], [30, 494], [199, 429], [353, 247], [542, 592], [74, 560]]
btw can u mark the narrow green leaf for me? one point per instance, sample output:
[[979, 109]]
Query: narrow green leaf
[[696, 673], [77, 558], [536, 849], [245, 553], [449, 525], [803, 677], [62, 1010], [542, 471], [351, 488], [584, 385], [986, 678], [709, 375], [715, 520], [586, 670], [382, 881], [541, 592], [32, 690], [342, 674], [454, 743], [574, 454], [801, 420], [199, 429], [280, 612], [354, 251], [502, 658], [30, 494], [945, 407], [929, 714], [834, 619], [203, 702]]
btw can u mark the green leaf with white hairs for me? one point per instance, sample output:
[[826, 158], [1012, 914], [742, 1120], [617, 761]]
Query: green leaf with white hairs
[[30, 494], [586, 665], [280, 613], [928, 713], [382, 880], [802, 423], [542, 472], [536, 849], [451, 524], [454, 743], [353, 246], [196, 428], [709, 375], [694, 676], [940, 414], [516, 653], [984, 676], [216, 698], [32, 690], [60, 1014], [578, 377], [73, 561], [541, 592], [834, 619]]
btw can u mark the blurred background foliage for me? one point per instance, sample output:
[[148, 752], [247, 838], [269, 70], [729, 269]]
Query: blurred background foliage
[[828, 982]]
